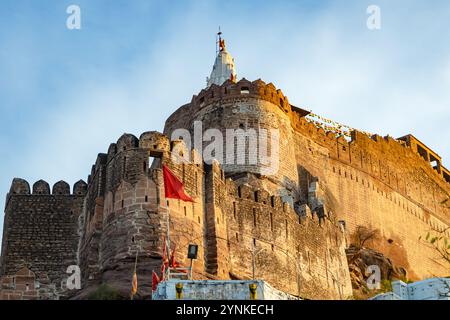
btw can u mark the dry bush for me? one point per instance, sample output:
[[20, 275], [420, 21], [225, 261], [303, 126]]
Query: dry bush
[[363, 235]]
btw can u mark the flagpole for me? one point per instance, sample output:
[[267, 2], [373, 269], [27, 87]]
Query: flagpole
[[173, 188], [168, 233], [168, 226]]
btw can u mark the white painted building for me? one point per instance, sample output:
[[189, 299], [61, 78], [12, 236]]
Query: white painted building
[[430, 289], [218, 290]]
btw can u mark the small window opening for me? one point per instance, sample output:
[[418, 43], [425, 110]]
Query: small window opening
[[245, 90]]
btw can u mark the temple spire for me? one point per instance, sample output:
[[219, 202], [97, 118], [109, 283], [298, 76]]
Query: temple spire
[[223, 68]]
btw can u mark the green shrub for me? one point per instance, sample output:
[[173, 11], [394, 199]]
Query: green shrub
[[385, 286], [105, 292]]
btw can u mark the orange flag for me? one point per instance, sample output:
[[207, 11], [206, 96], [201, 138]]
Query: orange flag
[[134, 285]]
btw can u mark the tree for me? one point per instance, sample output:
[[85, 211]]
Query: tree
[[363, 234], [440, 242]]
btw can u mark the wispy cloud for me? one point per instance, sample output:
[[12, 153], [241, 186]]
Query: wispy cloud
[[64, 96]]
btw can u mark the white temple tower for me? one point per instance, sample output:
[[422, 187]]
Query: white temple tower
[[223, 68]]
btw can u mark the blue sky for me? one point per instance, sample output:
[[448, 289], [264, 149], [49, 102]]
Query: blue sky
[[65, 95]]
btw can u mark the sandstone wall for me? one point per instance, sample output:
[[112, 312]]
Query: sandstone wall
[[301, 255], [380, 183], [41, 230]]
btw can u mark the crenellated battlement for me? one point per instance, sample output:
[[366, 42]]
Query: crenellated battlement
[[254, 197], [229, 90], [241, 89], [383, 148], [41, 188]]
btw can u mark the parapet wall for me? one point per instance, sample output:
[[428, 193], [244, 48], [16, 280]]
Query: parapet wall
[[229, 90]]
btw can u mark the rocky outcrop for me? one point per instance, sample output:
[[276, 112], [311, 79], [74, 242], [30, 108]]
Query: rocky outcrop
[[359, 260]]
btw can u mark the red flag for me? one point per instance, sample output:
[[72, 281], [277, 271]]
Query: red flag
[[155, 280], [173, 187], [163, 272], [165, 260], [164, 256], [173, 263]]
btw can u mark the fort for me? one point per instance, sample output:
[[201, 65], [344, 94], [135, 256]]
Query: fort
[[301, 216]]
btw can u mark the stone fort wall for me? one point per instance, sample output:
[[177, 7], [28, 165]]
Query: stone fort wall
[[380, 183], [131, 217], [41, 231], [302, 254], [121, 214]]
